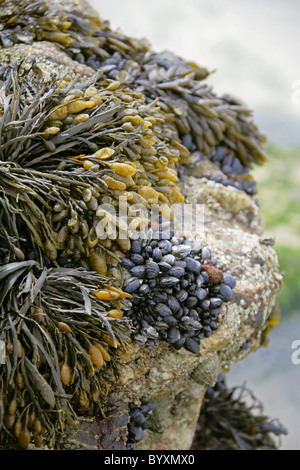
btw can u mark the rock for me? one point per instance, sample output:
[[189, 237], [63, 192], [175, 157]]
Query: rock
[[176, 380]]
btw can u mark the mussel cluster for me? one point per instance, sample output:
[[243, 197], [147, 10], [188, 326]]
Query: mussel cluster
[[138, 422], [74, 147], [231, 171], [177, 291]]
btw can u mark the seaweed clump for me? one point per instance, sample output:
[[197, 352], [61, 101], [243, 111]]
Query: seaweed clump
[[201, 118], [233, 419], [60, 342], [62, 172], [61, 321]]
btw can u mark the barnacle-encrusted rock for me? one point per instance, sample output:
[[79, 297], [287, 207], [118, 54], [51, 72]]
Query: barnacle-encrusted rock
[[89, 116]]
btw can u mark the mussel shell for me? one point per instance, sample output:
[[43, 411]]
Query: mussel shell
[[201, 293], [131, 285], [181, 251], [169, 281], [192, 264], [163, 310], [152, 269], [192, 345], [138, 271], [226, 292], [177, 272]]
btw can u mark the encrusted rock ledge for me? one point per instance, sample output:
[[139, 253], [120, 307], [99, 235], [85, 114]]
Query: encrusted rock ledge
[[176, 381]]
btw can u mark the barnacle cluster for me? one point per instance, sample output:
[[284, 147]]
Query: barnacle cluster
[[233, 419], [74, 150]]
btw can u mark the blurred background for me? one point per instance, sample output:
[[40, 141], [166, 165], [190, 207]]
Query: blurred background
[[253, 49]]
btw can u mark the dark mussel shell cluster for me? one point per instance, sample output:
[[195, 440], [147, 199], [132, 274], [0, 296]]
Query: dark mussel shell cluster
[[232, 171], [138, 422], [177, 291]]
